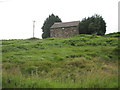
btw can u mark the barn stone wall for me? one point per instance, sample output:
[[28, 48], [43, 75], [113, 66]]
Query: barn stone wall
[[64, 32]]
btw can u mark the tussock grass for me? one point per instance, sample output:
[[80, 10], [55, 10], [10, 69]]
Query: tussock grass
[[83, 61]]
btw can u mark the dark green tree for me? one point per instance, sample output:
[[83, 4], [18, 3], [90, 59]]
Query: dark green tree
[[48, 23], [94, 24]]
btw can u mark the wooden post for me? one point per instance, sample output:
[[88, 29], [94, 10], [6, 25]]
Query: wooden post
[[33, 28]]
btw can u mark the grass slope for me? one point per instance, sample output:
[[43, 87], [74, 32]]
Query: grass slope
[[83, 61], [115, 34]]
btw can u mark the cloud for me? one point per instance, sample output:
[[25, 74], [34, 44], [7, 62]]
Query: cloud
[[119, 16], [3, 1]]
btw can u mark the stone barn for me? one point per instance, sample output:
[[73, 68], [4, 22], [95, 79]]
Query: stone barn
[[64, 29]]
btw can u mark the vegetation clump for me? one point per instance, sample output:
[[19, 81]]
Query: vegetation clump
[[48, 23], [94, 24]]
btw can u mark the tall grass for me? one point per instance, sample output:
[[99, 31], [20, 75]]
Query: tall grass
[[93, 79], [83, 61]]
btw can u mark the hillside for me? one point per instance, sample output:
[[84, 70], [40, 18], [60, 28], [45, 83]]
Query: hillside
[[83, 61], [115, 34]]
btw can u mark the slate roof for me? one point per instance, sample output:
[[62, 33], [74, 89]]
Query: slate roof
[[65, 24]]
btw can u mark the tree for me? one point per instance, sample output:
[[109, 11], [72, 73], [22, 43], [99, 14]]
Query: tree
[[48, 23], [94, 24]]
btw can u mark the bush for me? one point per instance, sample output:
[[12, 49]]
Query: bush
[[33, 38]]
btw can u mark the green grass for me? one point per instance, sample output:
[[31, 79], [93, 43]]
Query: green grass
[[83, 61], [115, 34]]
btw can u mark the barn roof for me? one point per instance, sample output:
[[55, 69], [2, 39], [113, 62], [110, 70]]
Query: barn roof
[[65, 24]]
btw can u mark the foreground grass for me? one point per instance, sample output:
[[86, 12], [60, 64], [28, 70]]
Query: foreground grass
[[84, 61]]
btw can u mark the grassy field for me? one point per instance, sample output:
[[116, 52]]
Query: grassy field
[[83, 61]]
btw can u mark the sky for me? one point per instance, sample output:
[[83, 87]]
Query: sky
[[16, 16]]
